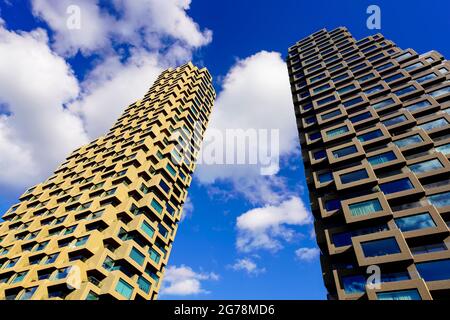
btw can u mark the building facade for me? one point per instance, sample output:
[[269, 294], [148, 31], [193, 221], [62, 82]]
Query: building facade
[[374, 129], [102, 226]]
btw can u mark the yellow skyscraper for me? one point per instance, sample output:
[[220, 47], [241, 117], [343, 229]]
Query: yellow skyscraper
[[102, 226]]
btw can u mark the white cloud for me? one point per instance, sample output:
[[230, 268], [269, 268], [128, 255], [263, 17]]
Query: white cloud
[[46, 112], [184, 281], [255, 95], [247, 265], [112, 86], [265, 227], [141, 23], [307, 254], [37, 131]]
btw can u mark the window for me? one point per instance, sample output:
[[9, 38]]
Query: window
[[434, 270], [345, 238], [124, 289], [405, 90], [365, 208], [384, 67], [403, 56], [154, 255], [396, 186], [325, 177], [354, 284], [394, 77], [376, 248], [414, 66], [383, 103], [440, 92], [310, 120], [147, 229], [319, 155], [143, 284], [374, 89], [81, 241], [445, 148], [137, 256], [155, 205], [366, 77], [337, 131], [412, 294], [440, 200], [414, 139], [415, 222], [164, 186], [418, 105], [426, 166], [346, 89], [428, 248], [330, 115], [171, 170], [370, 135], [314, 136], [326, 100], [395, 120], [442, 122], [321, 88], [426, 77], [92, 296], [352, 102], [360, 117], [27, 293], [345, 151], [382, 158], [354, 176], [19, 277]]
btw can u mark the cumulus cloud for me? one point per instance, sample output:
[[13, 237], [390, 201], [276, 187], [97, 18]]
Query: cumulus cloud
[[266, 227], [184, 281], [247, 265], [37, 131], [45, 111], [255, 95], [307, 254], [188, 209], [141, 23]]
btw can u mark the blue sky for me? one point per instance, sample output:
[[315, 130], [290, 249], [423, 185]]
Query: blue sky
[[233, 39]]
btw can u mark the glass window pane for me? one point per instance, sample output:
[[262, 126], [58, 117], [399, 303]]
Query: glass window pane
[[325, 177], [445, 148], [354, 176], [380, 247], [124, 289], [442, 122], [354, 284], [415, 222], [434, 270], [408, 141], [426, 166], [418, 105], [382, 158], [137, 256], [395, 120], [412, 294], [345, 151], [364, 208], [440, 200], [370, 135], [337, 131], [396, 186]]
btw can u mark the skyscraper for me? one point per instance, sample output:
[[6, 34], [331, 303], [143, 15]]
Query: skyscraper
[[374, 128], [103, 224]]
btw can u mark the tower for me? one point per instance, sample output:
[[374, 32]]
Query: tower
[[373, 123], [102, 226]]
